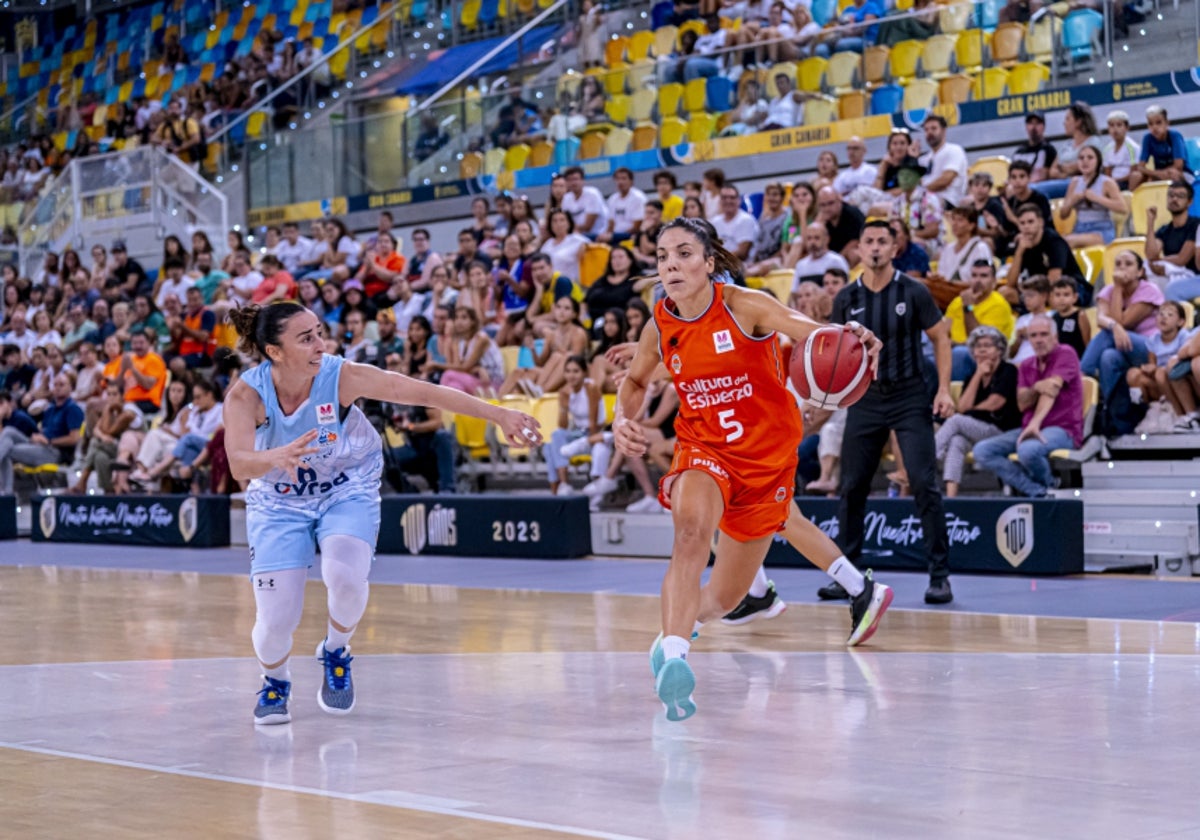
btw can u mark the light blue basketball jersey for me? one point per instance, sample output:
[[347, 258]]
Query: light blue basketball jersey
[[350, 460]]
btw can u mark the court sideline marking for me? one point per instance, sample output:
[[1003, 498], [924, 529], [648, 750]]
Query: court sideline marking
[[388, 801]]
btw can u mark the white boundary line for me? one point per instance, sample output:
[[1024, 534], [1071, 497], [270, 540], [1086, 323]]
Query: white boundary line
[[364, 798]]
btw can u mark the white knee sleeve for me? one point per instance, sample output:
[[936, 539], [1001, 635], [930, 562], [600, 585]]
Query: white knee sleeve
[[279, 597], [345, 564]]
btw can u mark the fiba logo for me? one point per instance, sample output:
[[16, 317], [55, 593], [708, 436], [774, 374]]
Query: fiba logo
[[188, 518], [1014, 534], [438, 527]]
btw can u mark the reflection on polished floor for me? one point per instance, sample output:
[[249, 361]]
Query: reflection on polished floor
[[125, 706]]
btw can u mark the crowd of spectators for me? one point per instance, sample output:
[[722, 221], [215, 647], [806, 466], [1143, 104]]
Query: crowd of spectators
[[505, 311]]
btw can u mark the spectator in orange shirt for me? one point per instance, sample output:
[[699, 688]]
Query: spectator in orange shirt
[[192, 334], [381, 267], [277, 283], [144, 374]]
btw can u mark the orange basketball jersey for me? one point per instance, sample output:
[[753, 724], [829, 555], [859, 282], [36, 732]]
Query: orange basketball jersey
[[733, 397]]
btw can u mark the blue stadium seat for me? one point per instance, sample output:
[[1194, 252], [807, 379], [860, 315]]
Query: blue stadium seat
[[987, 14], [719, 94], [887, 99], [1192, 144], [753, 204], [824, 11], [1079, 29], [566, 151], [489, 11]]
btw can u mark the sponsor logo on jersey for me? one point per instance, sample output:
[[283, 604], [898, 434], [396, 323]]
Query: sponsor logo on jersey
[[676, 364], [307, 484], [709, 391], [326, 413], [901, 308], [709, 464], [723, 341], [781, 494], [326, 437]]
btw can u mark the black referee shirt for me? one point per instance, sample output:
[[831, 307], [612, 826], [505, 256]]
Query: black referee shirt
[[898, 315]]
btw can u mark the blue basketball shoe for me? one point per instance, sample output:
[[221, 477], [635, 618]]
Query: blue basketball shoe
[[337, 689], [675, 684], [273, 702]]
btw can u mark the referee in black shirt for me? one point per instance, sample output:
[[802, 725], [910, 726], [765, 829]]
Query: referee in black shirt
[[897, 309]]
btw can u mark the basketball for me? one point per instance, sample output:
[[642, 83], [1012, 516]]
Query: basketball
[[831, 369]]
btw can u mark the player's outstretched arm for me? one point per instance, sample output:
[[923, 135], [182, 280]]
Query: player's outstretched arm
[[241, 412], [628, 434], [387, 386]]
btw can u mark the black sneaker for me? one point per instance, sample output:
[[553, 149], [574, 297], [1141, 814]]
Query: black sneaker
[[752, 609], [866, 609], [833, 592], [939, 592]]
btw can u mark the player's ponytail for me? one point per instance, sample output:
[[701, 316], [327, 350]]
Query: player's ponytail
[[260, 326], [724, 262]]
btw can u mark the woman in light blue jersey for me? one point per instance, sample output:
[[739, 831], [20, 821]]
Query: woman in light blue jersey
[[313, 462]]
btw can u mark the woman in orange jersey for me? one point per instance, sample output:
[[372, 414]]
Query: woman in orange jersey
[[737, 430]]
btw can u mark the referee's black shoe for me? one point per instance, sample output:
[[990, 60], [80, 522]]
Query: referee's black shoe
[[833, 592], [939, 592]]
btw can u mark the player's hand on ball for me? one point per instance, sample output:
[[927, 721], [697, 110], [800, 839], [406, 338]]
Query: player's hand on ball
[[629, 438], [869, 341], [520, 429], [291, 456]]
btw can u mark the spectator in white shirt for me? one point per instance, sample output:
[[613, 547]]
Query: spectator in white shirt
[[174, 282], [1120, 153], [787, 109], [968, 248], [584, 204], [859, 173], [818, 259], [735, 226], [244, 279], [293, 249], [946, 163], [626, 208]]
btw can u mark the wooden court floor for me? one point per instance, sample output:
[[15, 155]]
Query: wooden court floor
[[127, 698]]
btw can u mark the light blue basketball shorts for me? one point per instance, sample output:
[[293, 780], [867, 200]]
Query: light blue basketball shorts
[[287, 536]]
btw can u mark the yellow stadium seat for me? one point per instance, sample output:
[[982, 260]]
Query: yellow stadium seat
[[542, 154], [664, 41], [779, 284], [100, 116], [1064, 227], [493, 161], [641, 105], [955, 18], [339, 62], [920, 94], [701, 126], [904, 59], [671, 132], [820, 111], [617, 142], [990, 83], [568, 84], [695, 25], [593, 261], [516, 157], [511, 354], [644, 137], [640, 74], [852, 105], [968, 50], [614, 50], [470, 165], [668, 99], [954, 90], [996, 166], [468, 15], [1149, 195], [591, 145], [1006, 43], [875, 65], [1027, 77], [1039, 39], [617, 109], [841, 73], [1091, 260], [1121, 219], [810, 74], [935, 58], [614, 80], [639, 45], [256, 124], [1137, 244], [695, 95]]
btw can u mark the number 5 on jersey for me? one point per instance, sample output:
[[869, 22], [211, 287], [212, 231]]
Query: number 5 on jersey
[[736, 430]]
